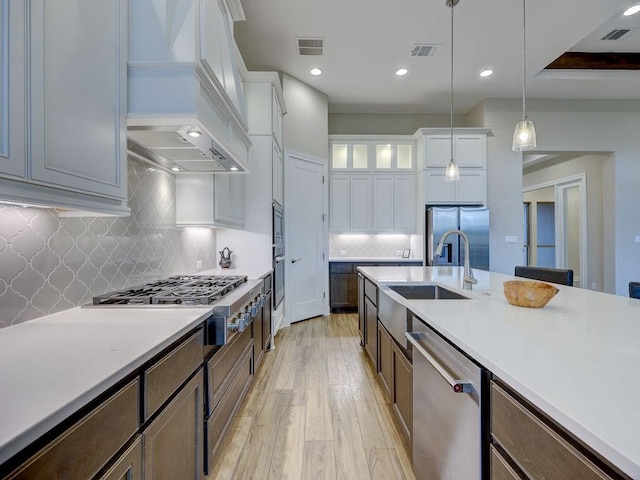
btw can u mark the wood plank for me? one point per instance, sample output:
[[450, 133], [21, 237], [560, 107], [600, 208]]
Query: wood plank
[[319, 461], [351, 459], [384, 465], [288, 454], [373, 429], [226, 463], [596, 61]]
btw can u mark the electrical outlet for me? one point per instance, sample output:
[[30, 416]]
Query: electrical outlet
[[593, 286], [637, 238], [198, 264], [343, 253], [398, 253], [511, 239]]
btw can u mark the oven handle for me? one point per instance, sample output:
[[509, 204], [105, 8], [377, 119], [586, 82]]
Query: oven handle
[[459, 386], [279, 258]]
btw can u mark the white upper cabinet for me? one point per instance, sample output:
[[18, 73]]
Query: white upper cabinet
[[13, 141], [339, 218], [372, 154], [468, 150], [360, 203], [64, 72], [208, 200], [469, 190]]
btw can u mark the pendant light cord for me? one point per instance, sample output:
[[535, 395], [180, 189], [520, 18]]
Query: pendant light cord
[[451, 103], [524, 58]]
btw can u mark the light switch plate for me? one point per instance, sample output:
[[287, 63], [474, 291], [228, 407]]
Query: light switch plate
[[511, 239], [198, 264]]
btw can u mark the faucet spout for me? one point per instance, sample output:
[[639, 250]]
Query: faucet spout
[[468, 278]]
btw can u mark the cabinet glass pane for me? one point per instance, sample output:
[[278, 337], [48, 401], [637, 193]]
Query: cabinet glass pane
[[360, 156], [383, 156], [339, 156], [404, 155]]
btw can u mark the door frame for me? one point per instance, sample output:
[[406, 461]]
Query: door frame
[[288, 154], [560, 184]]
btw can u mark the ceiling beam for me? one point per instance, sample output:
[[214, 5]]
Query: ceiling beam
[[596, 61]]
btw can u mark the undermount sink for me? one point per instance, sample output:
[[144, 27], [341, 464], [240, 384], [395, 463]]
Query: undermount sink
[[426, 292]]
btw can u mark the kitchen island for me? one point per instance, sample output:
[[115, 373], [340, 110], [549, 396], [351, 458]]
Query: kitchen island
[[575, 360]]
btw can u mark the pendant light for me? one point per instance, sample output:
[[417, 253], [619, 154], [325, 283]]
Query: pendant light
[[524, 137], [452, 174]]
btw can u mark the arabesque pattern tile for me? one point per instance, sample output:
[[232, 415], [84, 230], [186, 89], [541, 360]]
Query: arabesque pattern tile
[[367, 245], [50, 263]]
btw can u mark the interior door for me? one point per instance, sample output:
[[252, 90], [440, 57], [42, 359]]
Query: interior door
[[305, 238]]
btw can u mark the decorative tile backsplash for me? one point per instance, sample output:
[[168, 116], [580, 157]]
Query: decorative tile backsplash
[[49, 263], [367, 245]]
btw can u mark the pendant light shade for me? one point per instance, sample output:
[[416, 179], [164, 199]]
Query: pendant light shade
[[524, 137], [452, 174]]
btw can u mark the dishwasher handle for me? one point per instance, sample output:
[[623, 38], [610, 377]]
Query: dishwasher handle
[[459, 386]]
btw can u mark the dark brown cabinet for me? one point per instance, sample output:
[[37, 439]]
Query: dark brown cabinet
[[343, 281], [538, 447], [402, 391], [128, 466], [172, 443], [385, 359], [371, 331]]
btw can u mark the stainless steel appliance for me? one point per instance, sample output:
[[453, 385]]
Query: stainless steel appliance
[[278, 255], [448, 409], [473, 221], [235, 300]]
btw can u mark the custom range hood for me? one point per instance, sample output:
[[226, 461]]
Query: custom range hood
[[186, 107]]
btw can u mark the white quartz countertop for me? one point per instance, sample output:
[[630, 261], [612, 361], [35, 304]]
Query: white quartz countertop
[[374, 259], [250, 273], [576, 359], [53, 366]]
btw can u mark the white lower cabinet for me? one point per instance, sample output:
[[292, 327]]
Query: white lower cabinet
[[470, 189], [372, 203], [208, 200]]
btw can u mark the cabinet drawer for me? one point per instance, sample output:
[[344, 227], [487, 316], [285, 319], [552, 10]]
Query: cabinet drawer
[[371, 291], [220, 366], [267, 283], [500, 469], [341, 267], [87, 446], [538, 450], [226, 409], [164, 378]]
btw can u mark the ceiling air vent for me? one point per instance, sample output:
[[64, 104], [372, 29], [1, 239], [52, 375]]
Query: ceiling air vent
[[424, 50], [615, 34], [310, 46]]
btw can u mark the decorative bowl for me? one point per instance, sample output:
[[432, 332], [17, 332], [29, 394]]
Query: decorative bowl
[[528, 293]]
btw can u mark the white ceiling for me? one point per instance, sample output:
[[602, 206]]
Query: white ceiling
[[367, 40]]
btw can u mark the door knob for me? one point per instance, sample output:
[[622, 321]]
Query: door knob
[[294, 260]]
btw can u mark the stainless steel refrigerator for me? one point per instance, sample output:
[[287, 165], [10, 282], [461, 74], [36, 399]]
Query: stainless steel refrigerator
[[473, 221]]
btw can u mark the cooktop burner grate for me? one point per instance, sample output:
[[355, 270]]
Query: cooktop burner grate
[[178, 290]]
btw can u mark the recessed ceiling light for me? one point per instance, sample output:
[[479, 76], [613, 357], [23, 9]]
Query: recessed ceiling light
[[315, 72], [632, 10], [194, 133], [401, 72], [176, 169], [234, 169], [486, 72]]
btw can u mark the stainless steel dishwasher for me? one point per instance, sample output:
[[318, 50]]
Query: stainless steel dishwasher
[[447, 409]]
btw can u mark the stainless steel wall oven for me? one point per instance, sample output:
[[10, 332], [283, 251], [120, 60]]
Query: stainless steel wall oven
[[278, 255]]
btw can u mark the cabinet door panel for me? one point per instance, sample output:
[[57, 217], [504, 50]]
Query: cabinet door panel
[[360, 203], [403, 389], [471, 187], [339, 203], [371, 338], [437, 190], [385, 359], [438, 151], [404, 203], [78, 94], [383, 203], [470, 150], [173, 442], [13, 104], [128, 466]]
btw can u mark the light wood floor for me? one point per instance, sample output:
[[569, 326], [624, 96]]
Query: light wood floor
[[315, 411]]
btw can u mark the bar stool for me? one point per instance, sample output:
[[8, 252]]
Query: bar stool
[[553, 275], [634, 289]]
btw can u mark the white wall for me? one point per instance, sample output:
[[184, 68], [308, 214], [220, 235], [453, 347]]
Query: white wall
[[569, 126], [592, 166], [305, 126], [388, 123]]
